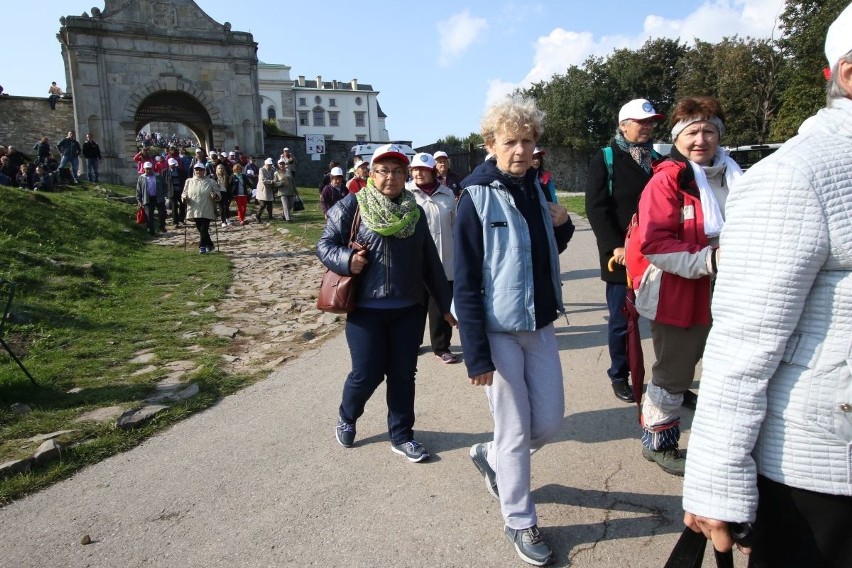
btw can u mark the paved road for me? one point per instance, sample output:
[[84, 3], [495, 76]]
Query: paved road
[[258, 480]]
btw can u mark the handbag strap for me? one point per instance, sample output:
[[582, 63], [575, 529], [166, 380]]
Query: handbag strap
[[356, 224]]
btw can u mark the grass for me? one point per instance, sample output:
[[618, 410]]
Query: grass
[[90, 296]]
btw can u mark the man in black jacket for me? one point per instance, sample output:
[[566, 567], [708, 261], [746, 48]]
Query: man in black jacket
[[92, 154]]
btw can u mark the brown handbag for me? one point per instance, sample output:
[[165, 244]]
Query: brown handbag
[[337, 293]]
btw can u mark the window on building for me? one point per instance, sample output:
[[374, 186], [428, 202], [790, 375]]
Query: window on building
[[319, 117], [359, 119], [334, 119], [303, 118], [270, 113], [332, 102], [303, 101], [361, 139]]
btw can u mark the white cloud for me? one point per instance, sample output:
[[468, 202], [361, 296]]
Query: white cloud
[[456, 34], [711, 21]]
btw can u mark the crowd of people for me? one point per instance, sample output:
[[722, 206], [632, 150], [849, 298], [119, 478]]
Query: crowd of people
[[50, 165]]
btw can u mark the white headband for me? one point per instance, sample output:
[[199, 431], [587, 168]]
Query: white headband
[[714, 120]]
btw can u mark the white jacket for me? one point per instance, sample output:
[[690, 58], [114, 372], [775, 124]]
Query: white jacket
[[776, 389], [440, 208]]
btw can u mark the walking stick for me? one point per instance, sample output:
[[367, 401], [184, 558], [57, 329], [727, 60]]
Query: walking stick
[[216, 226], [184, 236]]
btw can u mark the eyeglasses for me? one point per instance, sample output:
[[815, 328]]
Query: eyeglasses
[[388, 173]]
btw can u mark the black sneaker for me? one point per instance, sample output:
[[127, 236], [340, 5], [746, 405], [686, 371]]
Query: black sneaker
[[530, 546], [622, 390], [690, 400], [479, 455], [345, 433], [412, 450]]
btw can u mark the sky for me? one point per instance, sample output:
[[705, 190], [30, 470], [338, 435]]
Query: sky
[[437, 65]]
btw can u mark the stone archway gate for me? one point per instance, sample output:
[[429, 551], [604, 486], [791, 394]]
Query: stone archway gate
[[140, 61]]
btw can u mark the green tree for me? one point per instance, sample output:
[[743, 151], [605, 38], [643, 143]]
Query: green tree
[[804, 24]]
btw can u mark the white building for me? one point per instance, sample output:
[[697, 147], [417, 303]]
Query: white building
[[338, 110]]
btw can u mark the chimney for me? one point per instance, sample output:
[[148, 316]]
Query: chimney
[[319, 81], [354, 84], [334, 84], [301, 80]]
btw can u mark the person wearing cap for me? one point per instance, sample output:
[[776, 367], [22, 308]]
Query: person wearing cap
[[394, 259], [334, 191], [290, 160], [286, 189], [174, 179], [200, 195], [92, 155], [545, 178], [142, 156], [439, 204], [772, 436], [673, 263], [160, 165], [240, 187], [611, 202], [151, 194], [265, 194], [326, 178], [443, 173], [359, 180], [506, 294]]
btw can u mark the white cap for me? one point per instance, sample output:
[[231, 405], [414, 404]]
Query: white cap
[[268, 162], [213, 154], [282, 161], [197, 150], [172, 162], [838, 40], [540, 151], [336, 172], [440, 154], [231, 154], [147, 165], [638, 109], [286, 149], [199, 166], [423, 160], [158, 158], [389, 151]]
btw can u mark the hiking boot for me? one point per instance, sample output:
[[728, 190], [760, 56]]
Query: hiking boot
[[412, 450], [530, 545], [690, 400], [479, 455], [622, 390], [670, 460], [345, 433]]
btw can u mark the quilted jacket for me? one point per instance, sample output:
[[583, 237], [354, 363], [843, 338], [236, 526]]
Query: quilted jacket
[[776, 389]]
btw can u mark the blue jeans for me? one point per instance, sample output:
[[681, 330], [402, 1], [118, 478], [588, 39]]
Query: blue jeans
[[92, 169], [75, 165], [616, 328], [383, 343]]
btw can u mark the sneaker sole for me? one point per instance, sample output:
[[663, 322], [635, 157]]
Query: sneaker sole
[[412, 460], [484, 474]]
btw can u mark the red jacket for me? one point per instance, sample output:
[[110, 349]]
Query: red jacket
[[673, 267]]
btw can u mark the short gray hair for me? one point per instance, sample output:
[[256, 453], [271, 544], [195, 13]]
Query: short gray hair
[[515, 114], [835, 90]]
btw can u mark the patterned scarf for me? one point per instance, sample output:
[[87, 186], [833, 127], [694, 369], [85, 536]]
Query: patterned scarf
[[388, 217], [640, 152]]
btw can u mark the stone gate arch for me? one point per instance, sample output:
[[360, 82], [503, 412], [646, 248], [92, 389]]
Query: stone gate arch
[[138, 61]]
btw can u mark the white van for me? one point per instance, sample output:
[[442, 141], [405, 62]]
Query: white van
[[365, 151]]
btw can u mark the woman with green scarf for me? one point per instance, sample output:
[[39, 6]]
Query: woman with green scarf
[[394, 257]]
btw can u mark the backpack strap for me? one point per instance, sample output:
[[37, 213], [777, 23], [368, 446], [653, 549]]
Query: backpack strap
[[607, 154]]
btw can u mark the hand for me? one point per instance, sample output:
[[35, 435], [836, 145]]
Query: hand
[[558, 214], [715, 530], [485, 379], [448, 317], [358, 261], [618, 255]]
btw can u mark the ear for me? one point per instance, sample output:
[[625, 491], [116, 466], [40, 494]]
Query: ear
[[844, 76]]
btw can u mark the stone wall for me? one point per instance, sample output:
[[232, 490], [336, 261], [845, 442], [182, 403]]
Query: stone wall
[[25, 120]]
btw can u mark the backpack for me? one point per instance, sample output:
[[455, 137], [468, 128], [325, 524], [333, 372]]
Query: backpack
[[607, 154]]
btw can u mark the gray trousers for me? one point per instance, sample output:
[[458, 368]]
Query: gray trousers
[[527, 404]]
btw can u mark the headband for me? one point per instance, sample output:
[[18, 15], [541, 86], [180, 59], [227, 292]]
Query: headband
[[714, 120]]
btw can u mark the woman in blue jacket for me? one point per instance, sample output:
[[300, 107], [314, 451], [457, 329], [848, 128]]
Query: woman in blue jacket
[[507, 294]]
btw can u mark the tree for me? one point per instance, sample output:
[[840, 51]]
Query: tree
[[804, 24]]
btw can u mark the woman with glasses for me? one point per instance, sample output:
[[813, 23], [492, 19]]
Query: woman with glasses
[[394, 257], [611, 201]]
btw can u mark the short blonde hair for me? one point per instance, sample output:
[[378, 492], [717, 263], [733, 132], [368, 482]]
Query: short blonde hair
[[513, 115]]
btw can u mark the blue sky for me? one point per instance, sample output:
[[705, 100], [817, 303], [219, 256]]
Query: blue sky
[[436, 64]]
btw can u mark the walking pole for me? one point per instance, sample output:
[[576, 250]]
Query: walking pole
[[184, 236], [216, 226]]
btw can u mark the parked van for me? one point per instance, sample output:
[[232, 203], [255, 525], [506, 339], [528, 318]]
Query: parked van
[[747, 156]]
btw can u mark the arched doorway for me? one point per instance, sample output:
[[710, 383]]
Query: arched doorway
[[178, 107]]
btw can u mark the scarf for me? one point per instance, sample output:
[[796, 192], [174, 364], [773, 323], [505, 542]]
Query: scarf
[[713, 219], [388, 217], [639, 152]]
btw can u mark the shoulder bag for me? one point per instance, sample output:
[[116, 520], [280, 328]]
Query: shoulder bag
[[337, 293]]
